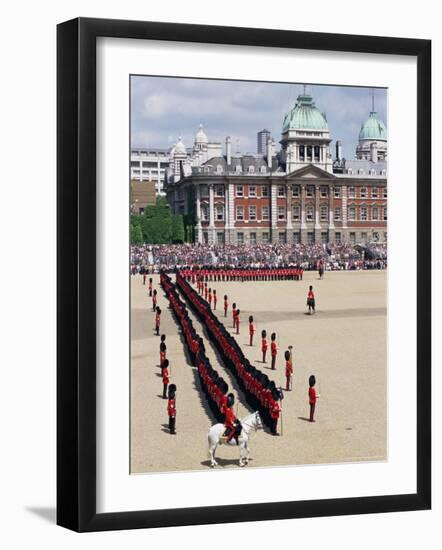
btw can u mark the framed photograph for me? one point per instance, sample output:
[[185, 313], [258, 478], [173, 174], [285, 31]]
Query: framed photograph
[[244, 256]]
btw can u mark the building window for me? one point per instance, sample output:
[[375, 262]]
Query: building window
[[385, 193], [251, 169], [364, 214], [296, 237], [361, 171], [374, 192], [301, 152], [134, 163], [265, 213], [265, 237], [352, 213], [263, 169], [204, 190], [309, 213], [220, 238], [324, 213], [252, 191], [375, 236], [372, 172], [323, 192], [364, 193], [238, 169], [350, 171], [219, 169], [281, 191], [352, 238], [364, 237], [282, 238], [338, 213], [219, 212], [383, 172], [337, 191], [252, 213], [338, 237], [295, 191], [310, 237], [385, 214], [324, 237], [281, 213], [252, 238], [204, 213], [375, 213], [385, 237], [351, 192], [240, 213], [240, 190], [264, 191], [296, 213], [240, 238], [219, 190], [309, 191]]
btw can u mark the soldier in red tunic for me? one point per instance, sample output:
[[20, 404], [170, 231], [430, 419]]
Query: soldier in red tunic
[[163, 349], [312, 396], [288, 368], [171, 408], [210, 298], [154, 300], [150, 287], [157, 321], [233, 313], [251, 330], [205, 291], [275, 411], [311, 300], [165, 376], [273, 349], [215, 299], [236, 320], [264, 345], [226, 305]]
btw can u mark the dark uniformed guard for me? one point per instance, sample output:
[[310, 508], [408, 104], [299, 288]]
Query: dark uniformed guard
[[154, 300], [150, 287], [226, 305], [157, 321], [215, 299], [171, 408], [165, 376], [163, 349], [264, 345], [236, 320], [273, 349], [251, 330], [233, 313]]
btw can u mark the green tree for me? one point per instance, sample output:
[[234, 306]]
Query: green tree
[[136, 234], [177, 229], [156, 223]]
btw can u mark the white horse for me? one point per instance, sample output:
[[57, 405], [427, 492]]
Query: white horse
[[250, 425]]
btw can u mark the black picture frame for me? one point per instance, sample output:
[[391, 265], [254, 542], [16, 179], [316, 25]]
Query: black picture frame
[[76, 274]]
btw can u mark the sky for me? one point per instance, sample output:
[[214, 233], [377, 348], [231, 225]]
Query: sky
[[163, 109]]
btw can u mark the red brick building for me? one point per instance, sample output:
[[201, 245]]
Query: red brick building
[[300, 194]]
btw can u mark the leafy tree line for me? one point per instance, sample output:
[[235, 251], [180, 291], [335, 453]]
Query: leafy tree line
[[157, 225]]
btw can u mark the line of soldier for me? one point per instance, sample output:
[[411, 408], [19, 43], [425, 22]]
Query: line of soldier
[[242, 274], [213, 385], [261, 392]]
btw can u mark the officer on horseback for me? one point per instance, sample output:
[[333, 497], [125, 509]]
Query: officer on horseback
[[231, 423]]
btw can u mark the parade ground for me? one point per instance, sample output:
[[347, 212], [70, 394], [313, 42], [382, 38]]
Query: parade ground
[[343, 345]]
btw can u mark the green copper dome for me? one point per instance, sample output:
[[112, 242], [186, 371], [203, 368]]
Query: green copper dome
[[373, 128], [304, 115]]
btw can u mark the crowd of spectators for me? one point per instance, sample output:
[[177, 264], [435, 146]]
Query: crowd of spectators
[[336, 256]]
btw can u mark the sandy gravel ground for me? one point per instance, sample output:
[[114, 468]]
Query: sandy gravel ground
[[343, 344]]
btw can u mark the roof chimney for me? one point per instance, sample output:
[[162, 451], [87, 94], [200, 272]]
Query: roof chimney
[[269, 152], [228, 150]]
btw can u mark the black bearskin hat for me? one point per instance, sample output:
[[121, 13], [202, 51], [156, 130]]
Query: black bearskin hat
[[163, 337], [312, 380], [225, 296], [163, 346], [273, 336], [238, 311], [263, 333], [234, 305], [158, 309], [287, 355], [250, 318], [276, 394], [165, 364], [230, 400]]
